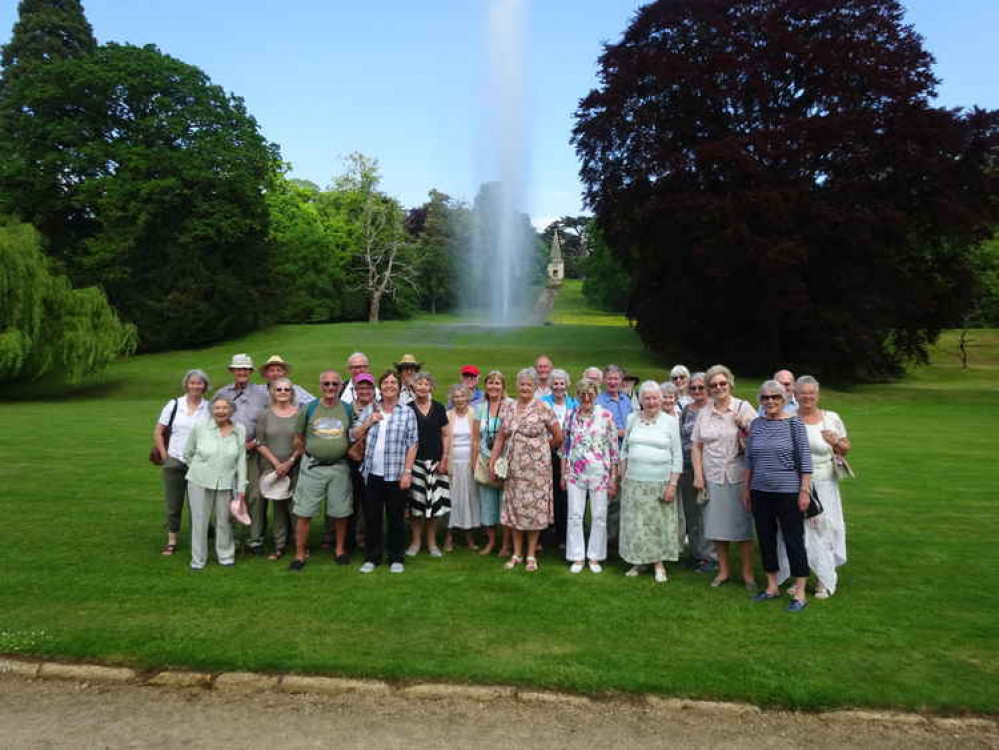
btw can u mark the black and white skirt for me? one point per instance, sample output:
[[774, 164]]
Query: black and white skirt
[[430, 494]]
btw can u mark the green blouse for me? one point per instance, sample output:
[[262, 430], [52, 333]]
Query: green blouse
[[216, 462]]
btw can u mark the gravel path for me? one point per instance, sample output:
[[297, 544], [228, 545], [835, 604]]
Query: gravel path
[[58, 714]]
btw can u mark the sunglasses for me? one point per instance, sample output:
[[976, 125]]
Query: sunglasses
[[679, 377], [771, 397], [722, 384], [696, 388], [282, 389], [330, 383]]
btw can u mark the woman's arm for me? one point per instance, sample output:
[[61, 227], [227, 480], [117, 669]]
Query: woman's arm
[[407, 468], [697, 462], [159, 442], [191, 446], [555, 430], [445, 443], [240, 488]]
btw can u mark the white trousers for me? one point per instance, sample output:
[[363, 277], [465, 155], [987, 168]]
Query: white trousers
[[575, 547], [204, 504]]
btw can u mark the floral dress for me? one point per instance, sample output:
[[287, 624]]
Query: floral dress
[[590, 449], [527, 492]]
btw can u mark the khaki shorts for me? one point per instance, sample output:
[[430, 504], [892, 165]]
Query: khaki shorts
[[318, 483]]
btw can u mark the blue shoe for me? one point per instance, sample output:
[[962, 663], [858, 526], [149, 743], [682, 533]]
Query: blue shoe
[[796, 606], [765, 596]]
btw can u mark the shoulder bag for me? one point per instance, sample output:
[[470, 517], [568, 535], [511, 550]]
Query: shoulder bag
[[154, 453], [841, 467], [814, 504]]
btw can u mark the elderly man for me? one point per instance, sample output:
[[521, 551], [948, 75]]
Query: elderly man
[[250, 399], [786, 380], [275, 367], [322, 433], [357, 363], [470, 379], [594, 374], [543, 366]]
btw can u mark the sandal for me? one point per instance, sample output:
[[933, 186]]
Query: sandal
[[276, 554], [718, 582], [512, 563], [532, 565], [168, 550]]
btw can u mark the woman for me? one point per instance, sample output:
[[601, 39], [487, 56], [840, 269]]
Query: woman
[[717, 456], [825, 534], [430, 496], [589, 466], [489, 416], [778, 480], [670, 395], [680, 377], [275, 437], [701, 552], [215, 454], [176, 420], [563, 405], [463, 431], [389, 454], [529, 432], [651, 462], [364, 395]]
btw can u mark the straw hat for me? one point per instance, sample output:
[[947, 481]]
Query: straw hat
[[274, 487], [275, 359], [408, 360], [241, 362]]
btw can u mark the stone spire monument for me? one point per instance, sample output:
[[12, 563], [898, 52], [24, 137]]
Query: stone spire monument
[[556, 266]]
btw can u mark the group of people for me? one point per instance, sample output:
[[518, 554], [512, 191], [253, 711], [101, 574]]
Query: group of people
[[662, 468]]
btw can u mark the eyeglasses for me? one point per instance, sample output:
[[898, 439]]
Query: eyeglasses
[[330, 383], [679, 377], [282, 389], [771, 397], [696, 388], [721, 384]]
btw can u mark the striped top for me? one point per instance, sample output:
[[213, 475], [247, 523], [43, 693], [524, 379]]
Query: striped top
[[777, 459]]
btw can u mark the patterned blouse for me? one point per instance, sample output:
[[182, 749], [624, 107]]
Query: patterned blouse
[[718, 433], [590, 448]]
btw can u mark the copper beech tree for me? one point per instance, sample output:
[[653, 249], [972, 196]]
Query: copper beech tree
[[775, 178]]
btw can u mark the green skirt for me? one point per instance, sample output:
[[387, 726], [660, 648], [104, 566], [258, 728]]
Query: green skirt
[[650, 528]]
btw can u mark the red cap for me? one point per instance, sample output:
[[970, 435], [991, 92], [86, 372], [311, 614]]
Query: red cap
[[469, 370]]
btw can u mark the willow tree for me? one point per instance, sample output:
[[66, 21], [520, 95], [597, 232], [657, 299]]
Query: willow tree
[[47, 326]]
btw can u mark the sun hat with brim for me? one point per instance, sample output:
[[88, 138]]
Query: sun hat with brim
[[274, 487], [364, 377], [237, 508], [241, 362], [275, 359], [470, 370], [408, 360]]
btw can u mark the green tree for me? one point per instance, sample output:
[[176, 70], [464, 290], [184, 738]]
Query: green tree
[[606, 280], [46, 326], [440, 230], [148, 180], [774, 170]]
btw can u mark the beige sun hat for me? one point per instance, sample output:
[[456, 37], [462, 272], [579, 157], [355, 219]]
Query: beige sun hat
[[274, 487], [275, 359], [408, 360], [241, 362]]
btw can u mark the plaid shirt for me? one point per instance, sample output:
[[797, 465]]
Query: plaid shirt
[[401, 436]]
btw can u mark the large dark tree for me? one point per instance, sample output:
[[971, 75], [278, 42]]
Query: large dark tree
[[777, 182]]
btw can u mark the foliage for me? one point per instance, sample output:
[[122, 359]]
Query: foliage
[[781, 159], [46, 326], [46, 30], [985, 312], [606, 279], [572, 234], [148, 180], [441, 233]]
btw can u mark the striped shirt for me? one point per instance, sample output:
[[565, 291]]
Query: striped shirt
[[777, 453]]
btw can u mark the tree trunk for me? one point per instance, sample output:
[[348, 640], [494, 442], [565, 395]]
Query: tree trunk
[[374, 307]]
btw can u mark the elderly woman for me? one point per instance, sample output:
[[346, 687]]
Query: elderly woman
[[562, 404], [278, 456], [701, 552], [825, 534], [462, 451], [778, 481], [651, 463], [530, 430], [680, 377], [717, 456], [176, 420], [430, 496], [489, 414], [362, 389], [215, 454], [389, 454], [670, 394], [589, 467]]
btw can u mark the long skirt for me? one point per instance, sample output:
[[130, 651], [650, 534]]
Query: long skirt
[[649, 526], [489, 504], [464, 497], [725, 519], [825, 538], [430, 495]]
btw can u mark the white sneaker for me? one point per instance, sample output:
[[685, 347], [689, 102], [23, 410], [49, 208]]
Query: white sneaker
[[397, 568], [635, 570], [412, 551], [368, 567], [435, 552], [576, 567], [595, 567]]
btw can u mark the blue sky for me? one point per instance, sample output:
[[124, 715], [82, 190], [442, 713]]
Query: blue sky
[[402, 80]]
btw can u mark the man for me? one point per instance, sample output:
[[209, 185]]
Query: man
[[543, 366], [324, 475], [357, 363], [786, 380], [250, 399], [470, 379], [619, 405], [275, 367], [594, 374], [407, 367]]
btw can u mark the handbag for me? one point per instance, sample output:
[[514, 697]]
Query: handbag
[[481, 473], [841, 467], [154, 453], [814, 504]]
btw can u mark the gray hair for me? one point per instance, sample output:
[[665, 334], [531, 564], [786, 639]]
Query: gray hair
[[196, 374], [559, 373], [719, 370], [649, 385], [699, 376], [772, 387], [595, 369], [679, 370], [528, 373], [270, 388], [222, 397], [458, 388], [359, 354], [424, 375], [585, 385], [613, 368], [805, 380], [668, 388]]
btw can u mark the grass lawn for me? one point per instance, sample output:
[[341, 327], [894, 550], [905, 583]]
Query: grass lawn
[[913, 624]]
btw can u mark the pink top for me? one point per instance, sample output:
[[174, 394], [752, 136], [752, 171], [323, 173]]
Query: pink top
[[718, 434]]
